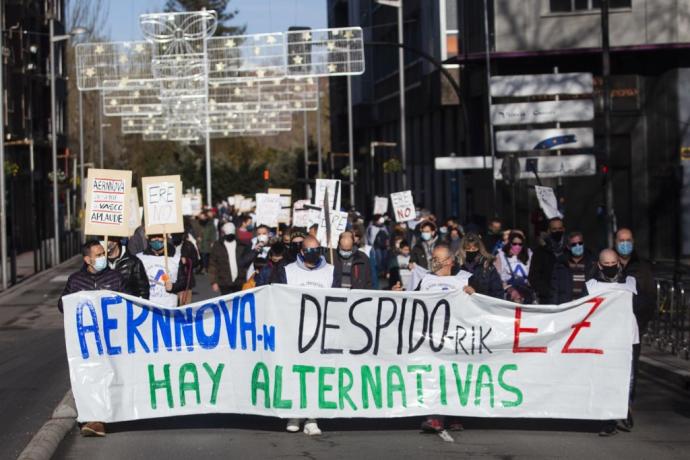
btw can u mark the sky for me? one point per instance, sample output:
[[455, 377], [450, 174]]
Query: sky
[[259, 15]]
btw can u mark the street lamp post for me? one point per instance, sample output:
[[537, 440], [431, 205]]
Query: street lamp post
[[401, 74], [56, 215]]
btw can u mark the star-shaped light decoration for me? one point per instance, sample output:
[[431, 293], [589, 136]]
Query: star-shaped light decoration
[[237, 92], [130, 122], [298, 104], [270, 39], [332, 68], [135, 109], [139, 48], [220, 66], [230, 43], [99, 49], [298, 88], [123, 59], [113, 102], [348, 34], [310, 80], [257, 50], [306, 36], [137, 93], [90, 72], [297, 60], [260, 73], [330, 45]]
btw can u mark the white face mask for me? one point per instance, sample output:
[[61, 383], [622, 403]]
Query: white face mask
[[262, 238]]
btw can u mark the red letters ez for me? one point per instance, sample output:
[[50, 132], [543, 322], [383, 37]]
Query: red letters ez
[[582, 324], [529, 330]]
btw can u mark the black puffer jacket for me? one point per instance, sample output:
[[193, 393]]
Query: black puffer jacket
[[84, 280], [485, 278], [134, 274]]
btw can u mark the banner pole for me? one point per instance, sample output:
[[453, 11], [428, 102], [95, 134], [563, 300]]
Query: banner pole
[[165, 253]]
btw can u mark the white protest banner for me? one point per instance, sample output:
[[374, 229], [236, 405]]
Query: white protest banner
[[380, 204], [381, 354], [333, 186], [548, 202], [403, 206], [134, 213], [300, 214], [162, 204], [285, 202], [107, 202], [268, 208], [338, 226]]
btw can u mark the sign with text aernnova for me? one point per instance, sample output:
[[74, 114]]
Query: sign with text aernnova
[[162, 197], [285, 351], [107, 202]]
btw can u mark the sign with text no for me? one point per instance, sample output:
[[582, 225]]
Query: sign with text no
[[107, 207], [403, 206], [162, 197]]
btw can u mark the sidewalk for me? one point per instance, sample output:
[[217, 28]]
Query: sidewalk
[[667, 367]]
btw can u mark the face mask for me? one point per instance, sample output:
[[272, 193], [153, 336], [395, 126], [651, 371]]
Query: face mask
[[345, 254], [381, 221], [436, 265], [311, 257], [454, 237], [262, 238], [577, 250], [470, 257], [624, 248], [443, 230], [610, 272], [100, 263], [426, 236], [556, 236], [156, 245], [177, 240], [229, 238], [295, 247]]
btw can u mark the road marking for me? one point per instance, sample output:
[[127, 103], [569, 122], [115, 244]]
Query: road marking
[[59, 279]]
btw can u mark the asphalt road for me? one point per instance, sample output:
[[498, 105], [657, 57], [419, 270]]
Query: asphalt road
[[34, 377]]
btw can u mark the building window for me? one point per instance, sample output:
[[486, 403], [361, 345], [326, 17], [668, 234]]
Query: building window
[[569, 6], [450, 41]]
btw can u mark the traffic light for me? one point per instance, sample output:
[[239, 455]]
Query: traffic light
[[267, 175]]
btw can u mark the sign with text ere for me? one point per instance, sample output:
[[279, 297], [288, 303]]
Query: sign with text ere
[[162, 197], [107, 202]]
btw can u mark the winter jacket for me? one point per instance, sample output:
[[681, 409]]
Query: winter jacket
[[419, 254], [360, 274], [541, 269], [219, 265], [84, 280], [208, 237], [485, 278], [562, 278], [134, 274], [645, 309]]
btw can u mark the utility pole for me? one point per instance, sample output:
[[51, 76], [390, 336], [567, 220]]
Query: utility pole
[[606, 94]]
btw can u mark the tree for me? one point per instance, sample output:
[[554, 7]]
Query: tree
[[220, 7]]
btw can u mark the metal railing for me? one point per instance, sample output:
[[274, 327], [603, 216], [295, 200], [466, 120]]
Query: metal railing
[[669, 330]]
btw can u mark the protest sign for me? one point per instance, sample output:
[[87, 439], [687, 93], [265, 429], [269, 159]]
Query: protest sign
[[333, 186], [162, 204], [403, 206], [300, 214], [315, 215], [548, 202], [107, 202], [337, 226], [134, 212], [268, 208], [246, 205], [380, 205], [285, 202], [187, 205], [287, 351]]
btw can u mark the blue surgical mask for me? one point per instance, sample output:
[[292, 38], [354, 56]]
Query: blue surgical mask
[[100, 263], [624, 248], [426, 236], [156, 245], [577, 250], [345, 254]]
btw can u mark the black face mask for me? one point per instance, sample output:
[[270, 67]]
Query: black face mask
[[312, 257], [471, 257], [229, 238], [556, 236], [177, 240], [610, 272], [295, 248]]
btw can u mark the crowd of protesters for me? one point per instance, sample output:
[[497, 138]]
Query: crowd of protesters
[[424, 254]]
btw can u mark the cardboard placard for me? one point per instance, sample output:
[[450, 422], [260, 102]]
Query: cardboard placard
[[403, 206], [285, 202], [338, 226], [162, 196], [333, 186], [548, 202], [380, 205], [300, 214], [107, 206], [268, 209]]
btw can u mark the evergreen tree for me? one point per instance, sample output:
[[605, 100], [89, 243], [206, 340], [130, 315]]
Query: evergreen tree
[[225, 16]]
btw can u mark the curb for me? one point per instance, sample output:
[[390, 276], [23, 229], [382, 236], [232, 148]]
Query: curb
[[677, 379], [37, 278], [46, 441]]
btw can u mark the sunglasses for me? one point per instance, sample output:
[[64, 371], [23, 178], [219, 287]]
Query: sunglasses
[[311, 250], [517, 244], [577, 243]]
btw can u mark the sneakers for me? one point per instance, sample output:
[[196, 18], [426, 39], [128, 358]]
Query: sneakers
[[90, 429], [292, 425], [432, 425], [609, 429], [311, 428], [456, 425]]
